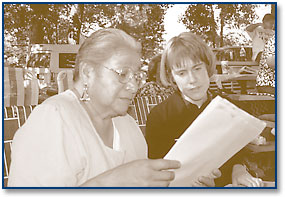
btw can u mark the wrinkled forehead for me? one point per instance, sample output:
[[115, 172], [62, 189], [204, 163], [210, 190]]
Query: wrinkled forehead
[[116, 58], [180, 59], [126, 58]]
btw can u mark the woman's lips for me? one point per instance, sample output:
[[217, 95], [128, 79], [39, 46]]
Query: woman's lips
[[193, 89], [126, 99]]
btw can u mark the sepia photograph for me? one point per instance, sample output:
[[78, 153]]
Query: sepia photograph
[[139, 95]]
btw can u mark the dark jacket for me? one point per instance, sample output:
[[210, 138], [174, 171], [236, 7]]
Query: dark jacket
[[168, 121]]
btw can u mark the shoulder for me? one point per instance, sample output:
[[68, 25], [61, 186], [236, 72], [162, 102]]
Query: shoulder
[[259, 28], [64, 103], [61, 100], [49, 116]]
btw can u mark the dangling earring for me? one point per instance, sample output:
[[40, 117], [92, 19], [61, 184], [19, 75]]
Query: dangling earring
[[85, 97]]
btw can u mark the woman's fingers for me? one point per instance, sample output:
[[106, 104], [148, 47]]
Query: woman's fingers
[[257, 182], [245, 182], [206, 181], [164, 164], [251, 182], [163, 175], [161, 184], [215, 174]]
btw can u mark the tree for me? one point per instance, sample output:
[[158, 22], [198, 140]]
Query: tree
[[53, 23], [142, 21], [200, 19], [235, 16], [15, 34]]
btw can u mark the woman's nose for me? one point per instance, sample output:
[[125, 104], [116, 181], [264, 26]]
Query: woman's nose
[[132, 85], [191, 77]]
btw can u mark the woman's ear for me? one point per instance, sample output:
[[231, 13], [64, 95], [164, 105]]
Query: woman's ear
[[86, 71]]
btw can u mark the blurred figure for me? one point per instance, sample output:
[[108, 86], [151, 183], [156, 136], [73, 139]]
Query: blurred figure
[[260, 33], [153, 86], [265, 80]]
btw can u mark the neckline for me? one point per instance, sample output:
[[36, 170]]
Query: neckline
[[76, 96], [186, 98]]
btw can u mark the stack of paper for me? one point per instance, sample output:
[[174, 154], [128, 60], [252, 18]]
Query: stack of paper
[[218, 133]]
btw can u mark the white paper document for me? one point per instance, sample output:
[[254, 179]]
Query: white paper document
[[218, 133]]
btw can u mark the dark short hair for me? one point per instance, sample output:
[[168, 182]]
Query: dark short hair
[[153, 67], [268, 17]]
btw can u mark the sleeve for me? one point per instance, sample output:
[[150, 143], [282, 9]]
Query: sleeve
[[155, 136], [39, 157]]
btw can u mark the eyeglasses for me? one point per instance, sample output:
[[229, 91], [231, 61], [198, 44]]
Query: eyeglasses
[[126, 74]]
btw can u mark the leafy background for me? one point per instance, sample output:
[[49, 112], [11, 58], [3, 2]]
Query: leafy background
[[27, 24]]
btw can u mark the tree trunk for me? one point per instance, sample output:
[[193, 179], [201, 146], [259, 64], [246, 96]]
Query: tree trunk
[[273, 9], [37, 32], [222, 30], [77, 21]]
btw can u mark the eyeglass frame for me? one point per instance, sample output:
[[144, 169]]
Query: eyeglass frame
[[131, 75]]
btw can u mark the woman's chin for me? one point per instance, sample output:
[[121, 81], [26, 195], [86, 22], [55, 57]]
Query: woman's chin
[[121, 112]]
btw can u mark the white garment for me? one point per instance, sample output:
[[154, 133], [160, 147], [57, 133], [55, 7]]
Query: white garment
[[58, 145], [259, 37]]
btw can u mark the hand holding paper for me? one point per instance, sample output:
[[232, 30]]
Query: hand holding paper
[[218, 133]]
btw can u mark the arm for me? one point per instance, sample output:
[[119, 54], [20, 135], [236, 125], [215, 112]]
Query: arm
[[39, 156], [252, 27], [45, 155]]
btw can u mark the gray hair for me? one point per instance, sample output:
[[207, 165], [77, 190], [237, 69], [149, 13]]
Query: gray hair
[[102, 45]]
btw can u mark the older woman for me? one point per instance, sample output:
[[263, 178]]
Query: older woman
[[187, 64], [84, 136]]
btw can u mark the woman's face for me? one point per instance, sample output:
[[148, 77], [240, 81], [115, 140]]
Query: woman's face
[[193, 81], [107, 93]]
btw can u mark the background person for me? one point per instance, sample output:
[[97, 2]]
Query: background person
[[153, 86], [260, 33], [265, 80]]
